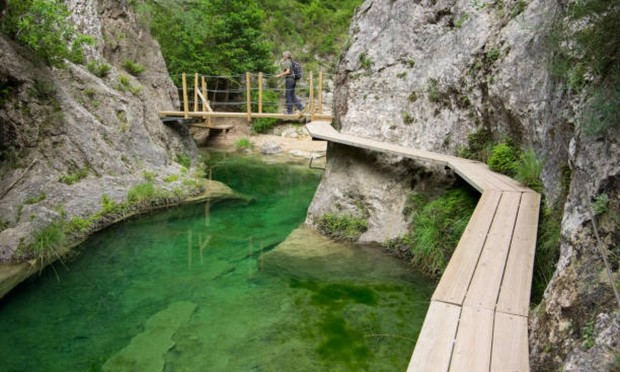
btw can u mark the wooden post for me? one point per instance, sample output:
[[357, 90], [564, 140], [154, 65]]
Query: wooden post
[[320, 93], [249, 97], [196, 92], [311, 99], [260, 92], [205, 107], [185, 102]]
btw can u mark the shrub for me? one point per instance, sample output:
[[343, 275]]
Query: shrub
[[36, 199], [75, 176], [503, 158], [242, 144], [4, 224], [42, 26], [407, 118], [124, 85], [528, 170], [184, 160], [98, 69], [547, 250], [79, 225], [478, 143], [171, 178], [143, 193], [48, 241], [437, 227], [601, 204], [133, 68], [261, 125], [432, 90], [342, 227]]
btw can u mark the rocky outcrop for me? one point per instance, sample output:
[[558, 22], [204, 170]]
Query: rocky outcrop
[[426, 74], [69, 137]]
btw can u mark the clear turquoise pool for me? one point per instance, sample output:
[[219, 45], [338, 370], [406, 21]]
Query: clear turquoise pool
[[185, 290]]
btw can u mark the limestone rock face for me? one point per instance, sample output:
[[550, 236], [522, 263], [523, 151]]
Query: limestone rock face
[[61, 122], [425, 74]]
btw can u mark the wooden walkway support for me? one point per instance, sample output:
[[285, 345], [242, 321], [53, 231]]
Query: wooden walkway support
[[477, 318], [202, 108]]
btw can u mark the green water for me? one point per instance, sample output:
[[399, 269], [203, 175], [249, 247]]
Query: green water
[[144, 295]]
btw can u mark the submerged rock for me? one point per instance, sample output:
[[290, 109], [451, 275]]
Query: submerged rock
[[147, 351], [305, 254]]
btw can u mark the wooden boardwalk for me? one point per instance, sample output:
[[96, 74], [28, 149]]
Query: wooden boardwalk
[[477, 318]]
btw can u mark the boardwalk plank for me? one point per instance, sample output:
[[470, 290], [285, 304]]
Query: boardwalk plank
[[470, 173], [484, 289], [472, 349], [434, 346], [510, 345], [517, 283], [458, 274], [477, 320]]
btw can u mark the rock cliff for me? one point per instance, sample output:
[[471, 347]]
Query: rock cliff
[[428, 73], [73, 139]]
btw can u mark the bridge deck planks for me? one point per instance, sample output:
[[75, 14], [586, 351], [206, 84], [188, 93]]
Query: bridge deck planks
[[477, 319], [517, 283], [485, 284], [439, 329], [454, 283]]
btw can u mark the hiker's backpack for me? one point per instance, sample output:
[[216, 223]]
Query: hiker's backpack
[[296, 67]]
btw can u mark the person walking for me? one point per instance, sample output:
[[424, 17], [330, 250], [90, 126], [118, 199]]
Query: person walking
[[290, 83]]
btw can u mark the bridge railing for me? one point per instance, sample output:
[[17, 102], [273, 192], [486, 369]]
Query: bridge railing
[[251, 96]]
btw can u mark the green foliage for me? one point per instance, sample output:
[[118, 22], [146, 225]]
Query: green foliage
[[4, 224], [79, 225], [171, 178], [242, 144], [108, 205], [547, 250], [215, 37], [601, 204], [407, 118], [342, 227], [460, 21], [603, 109], [528, 170], [75, 176], [184, 160], [42, 26], [99, 69], [432, 90], [492, 55], [587, 335], [436, 228], [149, 176], [503, 158], [76, 54], [270, 104], [309, 28], [587, 57], [36, 199], [124, 85], [518, 8], [141, 194], [413, 97], [478, 144], [365, 61], [48, 241], [132, 67]]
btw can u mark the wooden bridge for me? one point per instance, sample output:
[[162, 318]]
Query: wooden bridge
[[196, 104], [477, 318]]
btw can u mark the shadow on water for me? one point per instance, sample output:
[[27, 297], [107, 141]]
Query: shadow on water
[[209, 287]]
